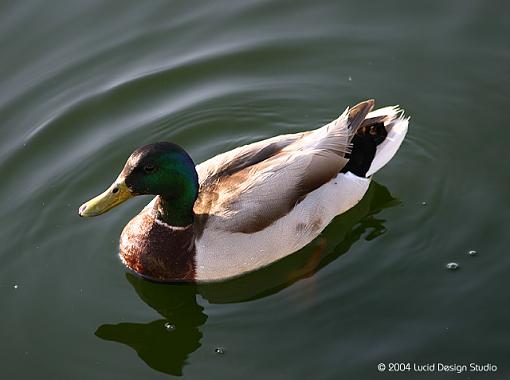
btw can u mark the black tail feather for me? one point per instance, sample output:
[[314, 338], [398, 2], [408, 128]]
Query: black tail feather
[[364, 146]]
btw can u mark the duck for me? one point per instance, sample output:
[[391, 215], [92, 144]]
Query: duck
[[249, 207]]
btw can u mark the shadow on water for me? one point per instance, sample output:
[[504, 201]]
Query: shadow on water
[[164, 344], [166, 348]]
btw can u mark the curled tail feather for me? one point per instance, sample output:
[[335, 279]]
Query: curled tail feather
[[375, 140]]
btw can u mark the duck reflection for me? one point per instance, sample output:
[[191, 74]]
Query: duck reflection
[[165, 344]]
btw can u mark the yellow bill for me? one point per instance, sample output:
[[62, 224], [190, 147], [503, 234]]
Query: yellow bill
[[113, 196]]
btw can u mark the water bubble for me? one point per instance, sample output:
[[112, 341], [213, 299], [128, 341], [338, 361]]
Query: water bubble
[[169, 326], [472, 252], [452, 266], [219, 350], [15, 286]]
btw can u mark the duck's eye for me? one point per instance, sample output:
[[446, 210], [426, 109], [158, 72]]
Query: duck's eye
[[149, 168]]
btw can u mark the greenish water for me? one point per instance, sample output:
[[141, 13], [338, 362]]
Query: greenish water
[[83, 83]]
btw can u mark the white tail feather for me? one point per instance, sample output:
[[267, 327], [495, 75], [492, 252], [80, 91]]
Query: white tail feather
[[397, 129], [391, 112]]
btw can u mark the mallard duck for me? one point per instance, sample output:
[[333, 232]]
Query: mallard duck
[[247, 208]]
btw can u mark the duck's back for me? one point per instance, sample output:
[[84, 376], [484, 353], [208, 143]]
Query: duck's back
[[263, 201]]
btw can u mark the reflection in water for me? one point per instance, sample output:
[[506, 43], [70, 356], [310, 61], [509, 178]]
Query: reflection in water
[[166, 349], [163, 349]]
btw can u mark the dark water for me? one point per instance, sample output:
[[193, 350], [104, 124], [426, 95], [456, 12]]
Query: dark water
[[83, 83]]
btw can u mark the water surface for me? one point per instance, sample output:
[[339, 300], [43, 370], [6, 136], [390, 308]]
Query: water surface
[[83, 83]]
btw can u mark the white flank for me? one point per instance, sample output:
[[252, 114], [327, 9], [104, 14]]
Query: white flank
[[221, 255]]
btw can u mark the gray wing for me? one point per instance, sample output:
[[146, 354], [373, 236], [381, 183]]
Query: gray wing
[[247, 189]]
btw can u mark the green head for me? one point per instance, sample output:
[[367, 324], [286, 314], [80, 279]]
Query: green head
[[163, 169]]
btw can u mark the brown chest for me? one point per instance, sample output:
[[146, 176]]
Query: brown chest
[[158, 251]]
